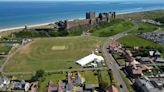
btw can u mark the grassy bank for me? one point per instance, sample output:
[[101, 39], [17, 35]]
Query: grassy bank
[[144, 27], [130, 88], [113, 28]]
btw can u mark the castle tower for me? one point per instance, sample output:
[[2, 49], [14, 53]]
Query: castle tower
[[113, 15], [91, 15], [66, 24]]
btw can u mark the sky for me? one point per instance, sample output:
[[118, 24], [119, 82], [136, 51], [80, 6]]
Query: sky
[[91, 0]]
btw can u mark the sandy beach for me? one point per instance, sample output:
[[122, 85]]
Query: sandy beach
[[43, 24], [21, 27], [34, 25]]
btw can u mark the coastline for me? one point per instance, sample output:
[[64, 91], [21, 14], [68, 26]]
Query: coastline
[[21, 27], [47, 23], [33, 25]]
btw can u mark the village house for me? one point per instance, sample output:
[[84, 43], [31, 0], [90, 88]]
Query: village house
[[144, 84], [133, 67], [111, 88], [4, 83]]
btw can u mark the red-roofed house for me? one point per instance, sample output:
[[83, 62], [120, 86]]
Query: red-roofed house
[[111, 88]]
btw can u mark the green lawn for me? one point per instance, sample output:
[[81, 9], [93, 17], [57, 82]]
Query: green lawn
[[145, 27], [105, 78], [90, 76], [121, 61], [53, 77], [113, 29], [53, 53]]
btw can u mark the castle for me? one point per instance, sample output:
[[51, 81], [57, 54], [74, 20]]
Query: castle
[[91, 18]]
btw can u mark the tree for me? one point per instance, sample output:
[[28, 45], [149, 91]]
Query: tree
[[39, 75]]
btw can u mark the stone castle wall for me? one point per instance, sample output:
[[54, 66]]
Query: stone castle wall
[[75, 23], [90, 19]]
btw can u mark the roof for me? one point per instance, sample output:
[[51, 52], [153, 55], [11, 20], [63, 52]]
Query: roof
[[145, 59], [69, 86], [160, 59], [52, 87], [91, 86], [79, 89], [89, 59], [147, 86], [157, 53], [137, 69], [111, 88], [151, 53]]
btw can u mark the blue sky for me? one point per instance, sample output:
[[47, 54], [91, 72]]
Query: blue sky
[[91, 0]]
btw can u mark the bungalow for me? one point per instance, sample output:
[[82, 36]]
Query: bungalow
[[4, 82], [19, 85]]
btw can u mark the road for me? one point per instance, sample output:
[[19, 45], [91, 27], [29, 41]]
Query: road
[[111, 63]]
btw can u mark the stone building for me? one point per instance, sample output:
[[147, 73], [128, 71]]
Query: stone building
[[76, 23], [91, 15], [106, 17], [91, 19]]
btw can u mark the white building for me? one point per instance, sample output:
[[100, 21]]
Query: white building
[[90, 58]]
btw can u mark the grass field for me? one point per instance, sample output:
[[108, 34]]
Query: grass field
[[137, 41], [105, 79], [113, 29], [90, 76], [53, 53], [145, 27]]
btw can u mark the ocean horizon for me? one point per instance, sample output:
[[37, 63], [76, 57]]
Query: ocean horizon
[[15, 14]]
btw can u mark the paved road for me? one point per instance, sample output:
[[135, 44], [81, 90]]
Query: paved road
[[111, 63], [57, 71]]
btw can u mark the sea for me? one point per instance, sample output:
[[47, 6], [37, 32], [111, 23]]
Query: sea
[[14, 14]]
